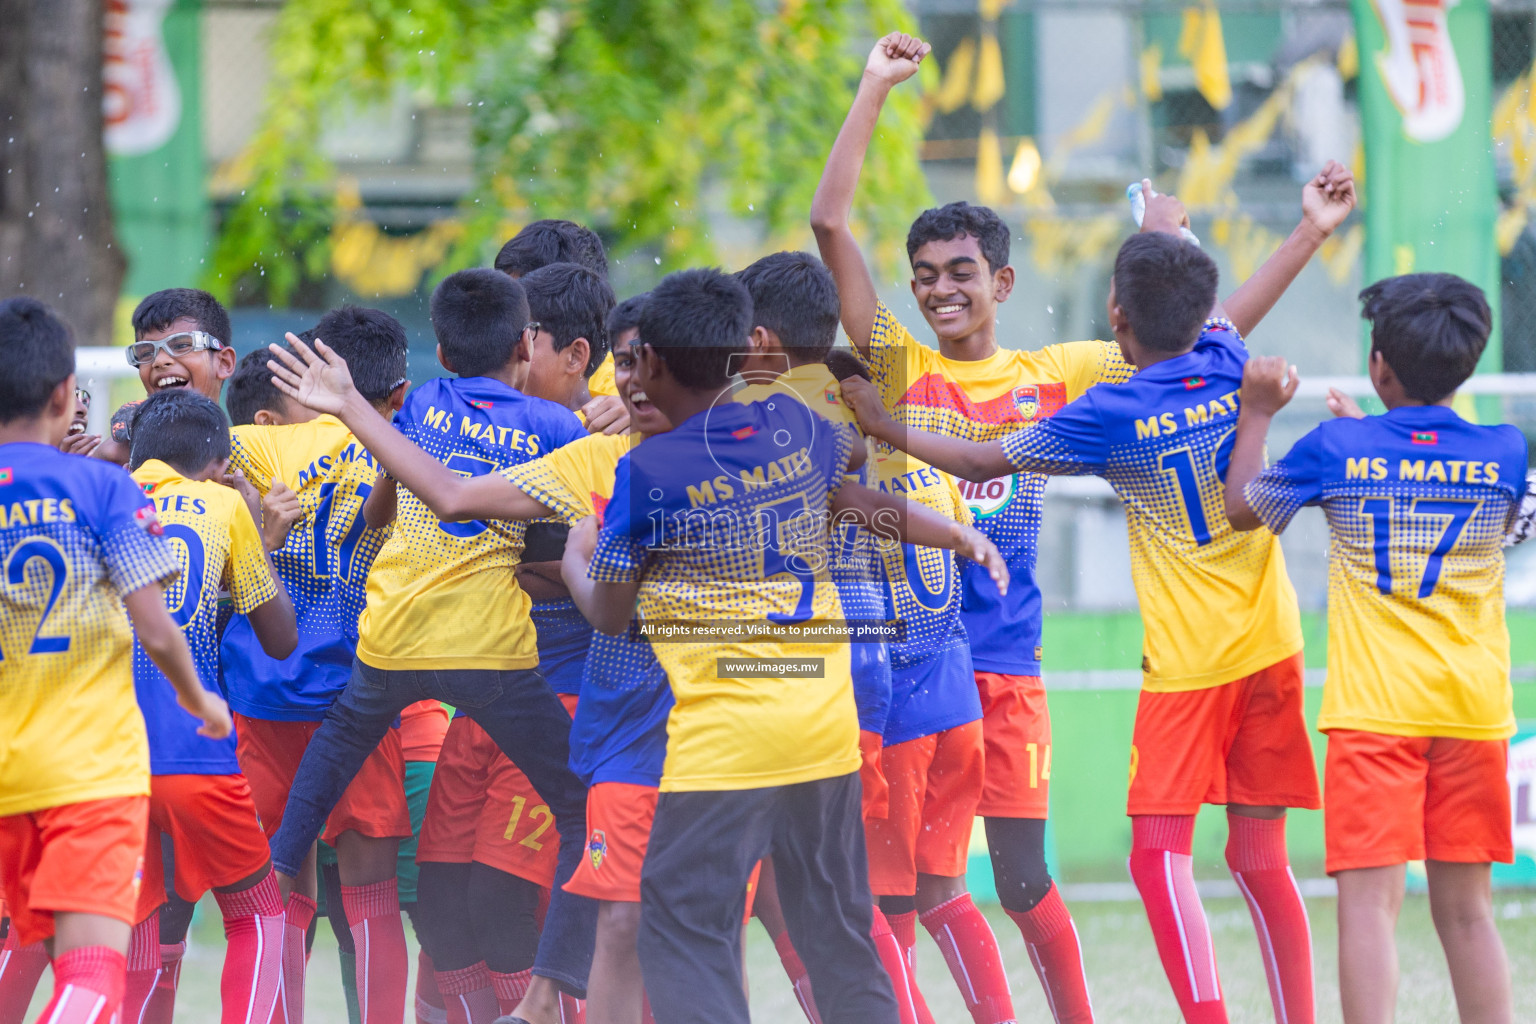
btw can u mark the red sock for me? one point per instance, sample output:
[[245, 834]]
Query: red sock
[[894, 959], [87, 986], [296, 918], [161, 1007], [510, 989], [645, 1010], [429, 1001], [1051, 939], [904, 931], [143, 969], [373, 911], [1256, 855], [970, 949], [254, 925], [572, 1010], [468, 995], [1161, 867], [21, 968], [799, 979]]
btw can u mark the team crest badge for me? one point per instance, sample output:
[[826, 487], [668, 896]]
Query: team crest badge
[[597, 848], [1026, 399]]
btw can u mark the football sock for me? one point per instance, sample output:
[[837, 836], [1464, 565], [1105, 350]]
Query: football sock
[[1256, 854], [970, 949], [382, 961], [296, 918], [143, 969], [894, 959], [87, 986], [1054, 950], [904, 930], [429, 1001], [162, 1001], [251, 986], [1161, 867], [468, 995], [510, 988], [21, 968], [572, 1010], [799, 979], [348, 961]]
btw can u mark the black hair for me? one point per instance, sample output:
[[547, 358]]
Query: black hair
[[844, 363], [1167, 287], [570, 301], [372, 342], [1430, 328], [552, 241], [182, 428], [37, 350], [794, 296], [163, 308], [696, 320], [626, 316], [956, 220], [251, 389], [478, 316]]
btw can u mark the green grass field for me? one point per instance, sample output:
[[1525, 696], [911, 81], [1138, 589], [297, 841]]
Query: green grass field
[[1127, 982]]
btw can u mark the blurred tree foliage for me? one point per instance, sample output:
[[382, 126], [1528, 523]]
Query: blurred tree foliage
[[632, 116]]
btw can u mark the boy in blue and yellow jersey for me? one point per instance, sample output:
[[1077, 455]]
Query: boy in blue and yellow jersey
[[1417, 707], [761, 758], [324, 562], [437, 584], [84, 557], [198, 798], [970, 387], [1220, 716]]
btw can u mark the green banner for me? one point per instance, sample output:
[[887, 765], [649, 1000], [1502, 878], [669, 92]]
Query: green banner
[[1425, 105]]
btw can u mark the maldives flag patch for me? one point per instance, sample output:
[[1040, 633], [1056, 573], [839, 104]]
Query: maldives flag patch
[[1425, 437], [742, 433], [1193, 383], [481, 404], [6, 475]]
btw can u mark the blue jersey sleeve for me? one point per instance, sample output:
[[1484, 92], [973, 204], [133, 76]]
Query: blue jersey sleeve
[[1071, 443], [133, 548], [619, 554], [1278, 493]]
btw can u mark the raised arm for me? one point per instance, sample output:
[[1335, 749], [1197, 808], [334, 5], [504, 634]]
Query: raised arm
[[319, 378], [893, 60], [163, 641], [274, 624], [970, 460], [1268, 384], [899, 519], [1325, 202], [382, 502]]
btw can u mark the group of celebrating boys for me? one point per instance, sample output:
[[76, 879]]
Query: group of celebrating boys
[[557, 544]]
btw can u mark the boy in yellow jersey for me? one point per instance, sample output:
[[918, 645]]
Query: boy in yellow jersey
[[1220, 717], [199, 801], [445, 617], [1417, 706], [968, 386], [324, 563], [761, 757], [80, 546]]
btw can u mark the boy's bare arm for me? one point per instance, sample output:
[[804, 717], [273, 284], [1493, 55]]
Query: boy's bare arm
[[970, 460], [162, 640], [893, 60], [382, 502], [274, 624], [1325, 201], [608, 606], [1268, 384]]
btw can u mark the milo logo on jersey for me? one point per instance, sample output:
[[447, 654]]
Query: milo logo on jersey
[[989, 498]]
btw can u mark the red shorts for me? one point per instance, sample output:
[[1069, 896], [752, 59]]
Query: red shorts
[[1016, 727], [1243, 742], [619, 816], [1392, 799], [876, 793], [422, 728], [936, 783], [214, 830], [373, 804], [85, 858]]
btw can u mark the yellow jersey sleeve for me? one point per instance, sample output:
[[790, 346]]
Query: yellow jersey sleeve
[[601, 382], [575, 481], [253, 451], [896, 359], [247, 575]]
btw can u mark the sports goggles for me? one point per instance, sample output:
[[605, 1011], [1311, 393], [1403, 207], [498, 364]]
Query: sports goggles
[[178, 345]]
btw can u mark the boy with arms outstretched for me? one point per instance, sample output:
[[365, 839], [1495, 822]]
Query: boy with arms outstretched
[[1417, 706], [971, 388], [81, 546], [1220, 716], [198, 797]]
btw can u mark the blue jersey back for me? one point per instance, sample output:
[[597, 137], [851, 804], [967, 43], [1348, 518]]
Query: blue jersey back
[[620, 731], [564, 639]]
